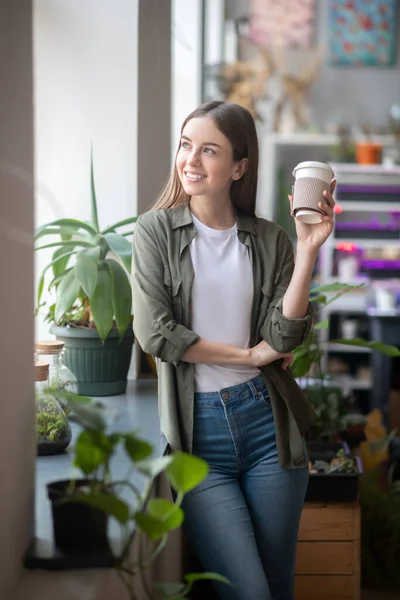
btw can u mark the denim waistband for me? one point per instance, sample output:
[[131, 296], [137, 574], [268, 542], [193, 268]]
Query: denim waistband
[[255, 385]]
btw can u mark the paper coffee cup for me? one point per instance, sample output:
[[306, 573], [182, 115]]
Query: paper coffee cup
[[312, 179]]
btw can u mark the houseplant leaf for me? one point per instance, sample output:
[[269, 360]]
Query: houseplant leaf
[[68, 244], [186, 471], [106, 502], [166, 511], [153, 467], [121, 247], [67, 293], [385, 349], [71, 223], [334, 287], [193, 577], [86, 269], [95, 217], [60, 260], [322, 324], [92, 450], [121, 296], [136, 448], [153, 527], [112, 228], [101, 302]]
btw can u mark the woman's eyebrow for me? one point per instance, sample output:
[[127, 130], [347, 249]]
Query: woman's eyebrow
[[185, 137]]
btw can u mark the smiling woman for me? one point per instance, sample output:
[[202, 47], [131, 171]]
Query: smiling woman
[[209, 138], [220, 303]]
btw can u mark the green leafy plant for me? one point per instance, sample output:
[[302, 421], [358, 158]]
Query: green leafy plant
[[342, 463], [148, 519], [50, 428], [90, 270], [51, 422], [334, 411]]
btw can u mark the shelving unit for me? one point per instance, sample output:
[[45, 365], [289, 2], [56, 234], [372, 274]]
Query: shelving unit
[[368, 225]]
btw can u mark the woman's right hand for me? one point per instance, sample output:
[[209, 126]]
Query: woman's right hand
[[263, 354]]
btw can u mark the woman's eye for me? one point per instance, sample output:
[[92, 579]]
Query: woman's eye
[[184, 145], [209, 150]]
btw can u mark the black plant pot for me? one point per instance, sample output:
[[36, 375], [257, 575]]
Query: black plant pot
[[78, 528], [100, 368], [336, 486]]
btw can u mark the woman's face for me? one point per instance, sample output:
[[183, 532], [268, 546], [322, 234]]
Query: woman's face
[[205, 162]]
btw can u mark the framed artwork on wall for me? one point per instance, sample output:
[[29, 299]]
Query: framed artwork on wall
[[362, 32], [282, 23]]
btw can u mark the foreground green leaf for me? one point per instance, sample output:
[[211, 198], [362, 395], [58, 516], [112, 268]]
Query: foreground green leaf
[[186, 471], [106, 502], [89, 455], [153, 467], [166, 511], [153, 527], [136, 448]]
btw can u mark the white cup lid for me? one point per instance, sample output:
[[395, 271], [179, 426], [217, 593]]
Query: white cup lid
[[312, 164]]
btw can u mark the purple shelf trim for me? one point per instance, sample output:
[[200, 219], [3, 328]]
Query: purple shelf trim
[[381, 264], [368, 189], [368, 226]]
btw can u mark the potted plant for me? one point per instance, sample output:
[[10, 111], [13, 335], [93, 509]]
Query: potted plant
[[91, 308], [81, 507], [335, 415]]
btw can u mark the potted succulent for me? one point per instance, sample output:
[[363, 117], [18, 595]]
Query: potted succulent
[[91, 307], [81, 507]]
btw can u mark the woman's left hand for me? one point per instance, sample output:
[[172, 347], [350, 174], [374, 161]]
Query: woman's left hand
[[313, 236]]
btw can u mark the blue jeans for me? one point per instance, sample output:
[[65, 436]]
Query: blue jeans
[[242, 520]]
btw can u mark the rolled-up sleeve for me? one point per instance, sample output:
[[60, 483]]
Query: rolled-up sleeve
[[281, 333], [153, 322]]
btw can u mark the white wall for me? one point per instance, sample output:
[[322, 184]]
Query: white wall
[[85, 69], [186, 63]]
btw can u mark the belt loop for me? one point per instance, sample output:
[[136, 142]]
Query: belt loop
[[253, 389]]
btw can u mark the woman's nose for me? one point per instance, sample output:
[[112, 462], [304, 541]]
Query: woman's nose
[[193, 158]]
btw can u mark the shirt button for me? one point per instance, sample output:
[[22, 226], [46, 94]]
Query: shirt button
[[156, 326]]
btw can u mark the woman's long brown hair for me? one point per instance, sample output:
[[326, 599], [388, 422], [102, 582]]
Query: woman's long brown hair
[[237, 124]]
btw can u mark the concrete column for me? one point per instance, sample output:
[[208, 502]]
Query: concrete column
[[17, 435], [154, 100]]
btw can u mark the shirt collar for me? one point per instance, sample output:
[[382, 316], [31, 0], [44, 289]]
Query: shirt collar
[[181, 217]]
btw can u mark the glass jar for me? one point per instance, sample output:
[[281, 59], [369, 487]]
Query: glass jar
[[60, 376], [53, 431]]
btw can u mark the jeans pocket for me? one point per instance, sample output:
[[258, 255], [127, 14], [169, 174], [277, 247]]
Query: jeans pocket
[[264, 397]]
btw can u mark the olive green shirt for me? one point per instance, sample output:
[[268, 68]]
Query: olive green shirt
[[162, 277]]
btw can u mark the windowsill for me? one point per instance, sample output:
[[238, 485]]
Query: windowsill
[[135, 410]]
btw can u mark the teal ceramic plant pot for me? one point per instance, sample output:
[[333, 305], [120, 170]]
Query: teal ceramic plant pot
[[101, 369]]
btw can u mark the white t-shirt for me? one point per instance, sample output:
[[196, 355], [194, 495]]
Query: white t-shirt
[[222, 300]]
